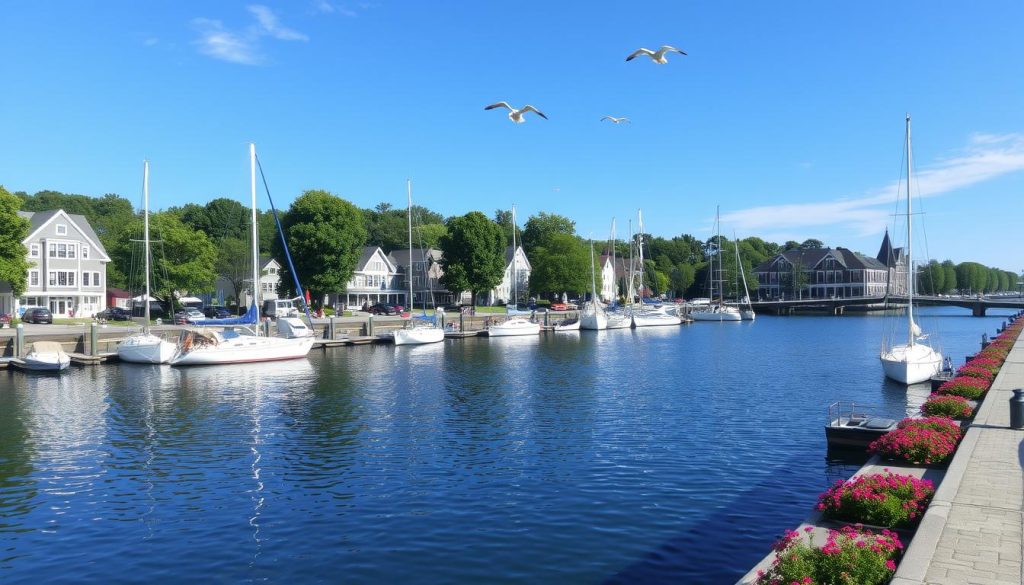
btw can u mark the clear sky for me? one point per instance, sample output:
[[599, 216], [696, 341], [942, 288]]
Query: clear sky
[[789, 115]]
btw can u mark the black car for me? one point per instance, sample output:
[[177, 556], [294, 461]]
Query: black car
[[214, 312], [382, 309], [114, 314], [38, 315]]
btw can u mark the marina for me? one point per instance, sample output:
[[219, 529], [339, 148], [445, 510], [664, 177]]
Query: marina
[[584, 458]]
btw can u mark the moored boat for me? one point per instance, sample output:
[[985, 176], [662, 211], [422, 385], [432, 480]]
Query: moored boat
[[46, 356]]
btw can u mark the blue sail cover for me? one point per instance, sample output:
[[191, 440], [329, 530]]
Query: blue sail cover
[[251, 317]]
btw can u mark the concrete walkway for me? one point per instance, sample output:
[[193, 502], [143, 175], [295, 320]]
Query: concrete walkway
[[972, 532]]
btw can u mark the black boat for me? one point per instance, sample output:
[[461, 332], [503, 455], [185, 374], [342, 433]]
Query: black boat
[[855, 426]]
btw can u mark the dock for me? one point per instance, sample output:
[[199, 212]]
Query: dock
[[972, 531]]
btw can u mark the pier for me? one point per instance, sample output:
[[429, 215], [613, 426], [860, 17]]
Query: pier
[[839, 305]]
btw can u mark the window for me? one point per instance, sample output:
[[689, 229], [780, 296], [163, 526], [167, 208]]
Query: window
[[62, 250], [62, 278], [72, 250], [33, 250], [85, 279], [62, 229], [33, 278], [90, 278], [271, 270], [52, 250], [96, 279], [85, 252]]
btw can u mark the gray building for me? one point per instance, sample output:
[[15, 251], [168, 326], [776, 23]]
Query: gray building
[[67, 266]]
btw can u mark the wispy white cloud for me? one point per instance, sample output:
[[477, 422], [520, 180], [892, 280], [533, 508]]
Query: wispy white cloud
[[986, 157], [344, 9], [151, 42], [217, 42], [268, 25], [243, 47]]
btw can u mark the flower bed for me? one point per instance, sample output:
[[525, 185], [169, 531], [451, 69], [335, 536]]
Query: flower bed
[[976, 372], [923, 440], [986, 363], [882, 499], [850, 556], [947, 405], [966, 386]]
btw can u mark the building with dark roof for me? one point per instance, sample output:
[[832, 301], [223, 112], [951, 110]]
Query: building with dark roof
[[67, 266], [828, 272]]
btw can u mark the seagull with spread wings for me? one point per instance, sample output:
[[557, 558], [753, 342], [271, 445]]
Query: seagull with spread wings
[[656, 56], [616, 120], [514, 114]]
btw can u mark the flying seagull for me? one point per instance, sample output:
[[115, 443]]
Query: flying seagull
[[656, 56], [514, 114], [616, 120]]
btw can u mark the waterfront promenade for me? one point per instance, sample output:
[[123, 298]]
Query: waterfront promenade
[[972, 531]]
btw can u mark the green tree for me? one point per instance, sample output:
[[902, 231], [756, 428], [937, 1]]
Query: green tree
[[429, 235], [539, 229], [474, 254], [682, 277], [386, 227], [184, 259], [561, 264], [949, 281], [233, 263], [503, 217], [794, 281], [325, 235], [931, 278], [14, 262], [812, 244], [972, 277]]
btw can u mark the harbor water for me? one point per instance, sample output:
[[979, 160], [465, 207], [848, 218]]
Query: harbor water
[[666, 455]]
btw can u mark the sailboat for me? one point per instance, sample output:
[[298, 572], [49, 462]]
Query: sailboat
[[145, 347], [620, 317], [648, 315], [238, 342], [716, 311], [514, 326], [745, 308], [593, 316], [423, 329], [913, 361]]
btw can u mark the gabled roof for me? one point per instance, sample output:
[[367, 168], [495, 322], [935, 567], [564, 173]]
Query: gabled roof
[[266, 261], [401, 257], [368, 253], [509, 253], [40, 219], [620, 264]]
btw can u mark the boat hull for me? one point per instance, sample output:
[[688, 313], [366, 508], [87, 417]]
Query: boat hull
[[619, 321], [911, 364], [46, 362], [594, 320], [574, 326], [654, 319], [246, 349], [513, 327], [419, 335], [718, 315], [146, 348]]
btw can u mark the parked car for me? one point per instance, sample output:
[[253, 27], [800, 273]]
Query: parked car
[[559, 307], [382, 309], [114, 314], [275, 308], [38, 315], [216, 312], [189, 316]]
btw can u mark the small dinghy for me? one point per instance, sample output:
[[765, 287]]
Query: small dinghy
[[854, 426], [46, 356]]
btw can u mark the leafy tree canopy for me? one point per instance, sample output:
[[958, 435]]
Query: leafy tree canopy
[[474, 253], [14, 262], [541, 227], [561, 264]]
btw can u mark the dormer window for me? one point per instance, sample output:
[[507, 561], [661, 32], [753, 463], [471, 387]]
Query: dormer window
[[62, 229]]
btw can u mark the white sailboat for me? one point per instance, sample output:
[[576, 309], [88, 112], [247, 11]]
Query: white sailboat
[[745, 308], [620, 317], [913, 361], [647, 315], [514, 326], [145, 347], [240, 343], [420, 331], [593, 316], [716, 310]]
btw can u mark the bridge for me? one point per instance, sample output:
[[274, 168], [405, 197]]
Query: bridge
[[838, 305]]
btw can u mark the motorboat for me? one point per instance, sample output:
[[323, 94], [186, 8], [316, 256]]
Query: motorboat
[[46, 356], [855, 426], [236, 345], [418, 335], [567, 325], [515, 326], [716, 312]]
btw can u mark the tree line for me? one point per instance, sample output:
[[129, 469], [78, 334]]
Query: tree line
[[194, 245]]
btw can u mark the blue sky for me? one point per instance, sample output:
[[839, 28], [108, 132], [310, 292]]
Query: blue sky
[[787, 115]]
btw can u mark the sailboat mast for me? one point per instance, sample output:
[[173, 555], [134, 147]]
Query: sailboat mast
[[145, 230], [640, 246], [615, 267], [515, 284], [718, 253], [910, 254], [255, 236], [408, 186], [593, 274]]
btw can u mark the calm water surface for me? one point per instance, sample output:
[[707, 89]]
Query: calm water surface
[[651, 456]]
